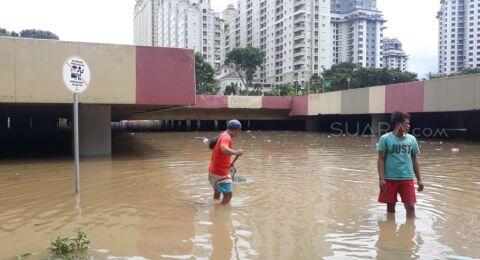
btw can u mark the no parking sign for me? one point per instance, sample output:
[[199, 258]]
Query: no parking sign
[[76, 74]]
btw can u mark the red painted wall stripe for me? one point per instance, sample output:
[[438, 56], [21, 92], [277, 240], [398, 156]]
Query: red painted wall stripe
[[165, 76], [300, 106], [405, 97], [210, 101], [277, 102]]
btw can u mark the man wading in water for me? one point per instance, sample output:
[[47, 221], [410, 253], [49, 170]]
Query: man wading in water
[[219, 170], [397, 162]]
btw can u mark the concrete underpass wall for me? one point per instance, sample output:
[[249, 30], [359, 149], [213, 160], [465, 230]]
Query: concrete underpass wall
[[121, 75], [95, 129], [31, 69], [452, 94]]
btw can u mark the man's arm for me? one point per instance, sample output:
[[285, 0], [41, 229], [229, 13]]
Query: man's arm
[[381, 170], [416, 170], [226, 150]]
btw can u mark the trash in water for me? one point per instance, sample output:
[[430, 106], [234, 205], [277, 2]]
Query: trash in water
[[455, 150], [268, 141]]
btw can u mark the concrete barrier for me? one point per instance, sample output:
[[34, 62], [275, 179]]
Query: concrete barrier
[[250, 102], [406, 97], [7, 70], [376, 100], [113, 73], [355, 101]]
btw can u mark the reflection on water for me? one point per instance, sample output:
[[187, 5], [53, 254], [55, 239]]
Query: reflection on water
[[307, 196]]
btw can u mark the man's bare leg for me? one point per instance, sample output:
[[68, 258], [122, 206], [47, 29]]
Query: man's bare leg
[[391, 208], [410, 208], [216, 194], [226, 198]]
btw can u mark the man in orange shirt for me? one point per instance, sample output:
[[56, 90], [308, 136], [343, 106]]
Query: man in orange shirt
[[219, 170]]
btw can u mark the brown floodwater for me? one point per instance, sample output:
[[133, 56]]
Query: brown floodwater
[[307, 196]]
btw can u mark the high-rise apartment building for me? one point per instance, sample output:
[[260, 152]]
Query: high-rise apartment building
[[299, 37], [357, 32], [393, 55], [144, 15], [181, 24], [459, 35], [294, 35]]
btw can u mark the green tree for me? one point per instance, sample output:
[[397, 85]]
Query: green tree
[[315, 83], [288, 90], [205, 83], [246, 61], [349, 75], [38, 34], [230, 89], [467, 71], [4, 32]]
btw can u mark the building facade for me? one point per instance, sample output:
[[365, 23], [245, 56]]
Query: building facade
[[181, 24], [143, 28], [393, 55], [294, 35], [357, 32], [299, 37], [459, 35]]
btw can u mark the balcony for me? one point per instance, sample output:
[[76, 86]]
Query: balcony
[[299, 52], [298, 36], [301, 18], [299, 42], [299, 4], [299, 61], [299, 67]]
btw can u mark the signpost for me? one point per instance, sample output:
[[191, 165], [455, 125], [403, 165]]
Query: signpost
[[76, 76]]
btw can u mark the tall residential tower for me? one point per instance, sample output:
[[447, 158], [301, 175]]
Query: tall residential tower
[[459, 35], [181, 24], [393, 55], [357, 32]]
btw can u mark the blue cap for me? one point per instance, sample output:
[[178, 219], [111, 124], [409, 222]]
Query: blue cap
[[234, 124]]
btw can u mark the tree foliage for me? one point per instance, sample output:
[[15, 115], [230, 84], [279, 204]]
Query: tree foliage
[[31, 33], [38, 34], [467, 71], [4, 32], [315, 83], [230, 89], [205, 83], [338, 76], [246, 61]]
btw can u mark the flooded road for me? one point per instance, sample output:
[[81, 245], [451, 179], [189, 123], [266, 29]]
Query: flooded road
[[307, 196]]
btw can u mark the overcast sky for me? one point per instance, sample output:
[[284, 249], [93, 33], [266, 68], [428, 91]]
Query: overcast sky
[[110, 21]]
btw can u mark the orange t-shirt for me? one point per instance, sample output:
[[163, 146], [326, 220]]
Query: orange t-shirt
[[220, 162]]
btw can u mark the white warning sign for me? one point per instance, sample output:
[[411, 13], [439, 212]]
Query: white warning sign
[[76, 74]]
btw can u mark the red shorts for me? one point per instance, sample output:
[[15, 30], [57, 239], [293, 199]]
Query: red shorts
[[406, 189]]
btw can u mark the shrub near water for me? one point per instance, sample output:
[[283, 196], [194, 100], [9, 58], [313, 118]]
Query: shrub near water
[[70, 248]]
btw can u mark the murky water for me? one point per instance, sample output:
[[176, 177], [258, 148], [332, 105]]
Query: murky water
[[308, 196]]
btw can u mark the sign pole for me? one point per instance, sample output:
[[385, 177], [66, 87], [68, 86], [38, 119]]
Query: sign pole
[[76, 76], [76, 143]]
